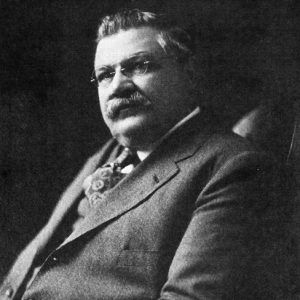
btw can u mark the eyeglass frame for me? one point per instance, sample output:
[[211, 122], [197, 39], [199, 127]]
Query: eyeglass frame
[[148, 62]]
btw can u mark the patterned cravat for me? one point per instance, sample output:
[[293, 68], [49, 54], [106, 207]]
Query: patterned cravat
[[106, 177], [102, 180]]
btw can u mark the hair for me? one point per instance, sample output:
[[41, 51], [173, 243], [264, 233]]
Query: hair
[[172, 38]]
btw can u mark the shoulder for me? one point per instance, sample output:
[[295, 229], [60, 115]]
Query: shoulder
[[208, 141], [222, 148], [226, 143], [229, 158], [216, 148]]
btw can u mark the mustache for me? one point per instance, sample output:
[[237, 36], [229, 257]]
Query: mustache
[[114, 105]]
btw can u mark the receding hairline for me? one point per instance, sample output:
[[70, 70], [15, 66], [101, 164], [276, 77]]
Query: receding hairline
[[171, 36], [133, 18], [143, 26], [156, 38]]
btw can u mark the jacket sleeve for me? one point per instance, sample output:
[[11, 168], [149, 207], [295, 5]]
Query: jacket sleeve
[[22, 270], [236, 242]]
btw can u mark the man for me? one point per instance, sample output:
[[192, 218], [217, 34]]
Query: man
[[201, 216]]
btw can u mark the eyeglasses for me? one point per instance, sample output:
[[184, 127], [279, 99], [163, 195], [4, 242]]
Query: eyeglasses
[[135, 66]]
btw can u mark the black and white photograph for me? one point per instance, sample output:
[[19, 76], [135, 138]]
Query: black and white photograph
[[149, 150]]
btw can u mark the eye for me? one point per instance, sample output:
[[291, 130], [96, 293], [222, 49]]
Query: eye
[[105, 75], [141, 67], [137, 67]]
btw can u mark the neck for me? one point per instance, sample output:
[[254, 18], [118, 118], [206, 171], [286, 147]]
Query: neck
[[146, 139], [144, 152]]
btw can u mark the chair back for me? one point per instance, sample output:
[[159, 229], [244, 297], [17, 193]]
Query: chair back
[[277, 129]]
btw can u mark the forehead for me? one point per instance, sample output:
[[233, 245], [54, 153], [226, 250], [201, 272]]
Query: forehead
[[119, 46]]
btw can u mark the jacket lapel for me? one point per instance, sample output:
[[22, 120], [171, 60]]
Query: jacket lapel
[[132, 190], [151, 174]]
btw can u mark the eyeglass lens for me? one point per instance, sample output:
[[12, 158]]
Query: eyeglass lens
[[130, 68]]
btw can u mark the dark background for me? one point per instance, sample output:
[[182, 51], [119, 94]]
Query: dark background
[[49, 113]]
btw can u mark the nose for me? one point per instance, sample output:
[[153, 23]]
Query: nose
[[120, 83]]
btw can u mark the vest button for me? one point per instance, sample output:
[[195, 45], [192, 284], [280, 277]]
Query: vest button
[[54, 258], [9, 292]]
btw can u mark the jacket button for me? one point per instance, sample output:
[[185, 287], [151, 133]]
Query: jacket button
[[9, 292], [54, 258]]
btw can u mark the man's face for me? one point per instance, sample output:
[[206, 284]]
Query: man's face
[[139, 107]]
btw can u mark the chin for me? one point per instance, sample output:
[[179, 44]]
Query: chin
[[133, 132]]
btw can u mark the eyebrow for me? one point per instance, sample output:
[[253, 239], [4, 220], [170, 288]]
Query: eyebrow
[[145, 54]]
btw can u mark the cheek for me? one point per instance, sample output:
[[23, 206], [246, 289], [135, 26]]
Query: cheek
[[167, 83], [102, 100], [166, 92]]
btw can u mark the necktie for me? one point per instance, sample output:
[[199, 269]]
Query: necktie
[[102, 180], [106, 177]]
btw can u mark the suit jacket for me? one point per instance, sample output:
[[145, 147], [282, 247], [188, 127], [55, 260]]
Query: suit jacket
[[205, 216]]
